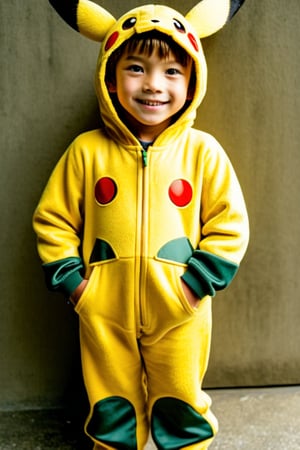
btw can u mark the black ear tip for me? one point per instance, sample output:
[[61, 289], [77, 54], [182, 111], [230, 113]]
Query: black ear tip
[[234, 7], [67, 9]]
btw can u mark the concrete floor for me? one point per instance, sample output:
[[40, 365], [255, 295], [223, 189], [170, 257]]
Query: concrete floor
[[250, 419]]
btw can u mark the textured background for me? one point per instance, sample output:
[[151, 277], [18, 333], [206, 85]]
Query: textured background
[[252, 107]]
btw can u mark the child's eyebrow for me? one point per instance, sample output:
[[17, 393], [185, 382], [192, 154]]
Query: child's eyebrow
[[142, 58], [135, 57]]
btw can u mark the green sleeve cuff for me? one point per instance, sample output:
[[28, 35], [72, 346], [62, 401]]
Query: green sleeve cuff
[[64, 275], [208, 273], [69, 285], [194, 284]]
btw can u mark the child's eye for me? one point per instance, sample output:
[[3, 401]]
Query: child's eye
[[135, 68], [173, 71]]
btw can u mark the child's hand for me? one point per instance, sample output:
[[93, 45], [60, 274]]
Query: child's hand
[[192, 298], [74, 298]]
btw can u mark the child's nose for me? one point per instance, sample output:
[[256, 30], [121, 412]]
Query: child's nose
[[153, 82]]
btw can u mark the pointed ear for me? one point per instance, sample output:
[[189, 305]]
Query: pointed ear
[[209, 16], [85, 16]]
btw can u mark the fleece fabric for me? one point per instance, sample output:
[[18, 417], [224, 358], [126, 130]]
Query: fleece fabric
[[134, 222]]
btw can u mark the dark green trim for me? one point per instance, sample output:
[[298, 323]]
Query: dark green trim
[[64, 275], [178, 250], [102, 251], [113, 422], [176, 425], [208, 273]]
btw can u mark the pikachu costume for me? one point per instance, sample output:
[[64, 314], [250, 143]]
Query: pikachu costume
[[134, 222]]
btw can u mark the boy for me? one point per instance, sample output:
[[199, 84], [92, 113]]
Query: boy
[[140, 223]]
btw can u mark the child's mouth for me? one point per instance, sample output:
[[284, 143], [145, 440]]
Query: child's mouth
[[151, 102]]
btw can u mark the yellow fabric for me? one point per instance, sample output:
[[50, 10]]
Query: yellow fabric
[[209, 16], [170, 332], [144, 16], [140, 338], [142, 203], [137, 295], [206, 17], [93, 21]]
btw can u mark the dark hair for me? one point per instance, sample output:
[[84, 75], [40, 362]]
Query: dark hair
[[148, 43]]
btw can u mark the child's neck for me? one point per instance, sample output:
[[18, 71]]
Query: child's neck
[[145, 133]]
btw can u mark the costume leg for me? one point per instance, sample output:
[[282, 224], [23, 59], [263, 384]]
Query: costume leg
[[175, 366], [114, 383], [112, 365]]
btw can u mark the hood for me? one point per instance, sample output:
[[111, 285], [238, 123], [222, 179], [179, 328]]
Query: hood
[[140, 20], [95, 22]]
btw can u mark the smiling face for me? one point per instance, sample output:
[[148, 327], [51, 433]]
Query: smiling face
[[151, 88]]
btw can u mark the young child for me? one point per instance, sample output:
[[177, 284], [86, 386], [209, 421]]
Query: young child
[[140, 224]]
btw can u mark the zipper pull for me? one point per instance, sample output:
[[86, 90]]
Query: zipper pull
[[144, 157]]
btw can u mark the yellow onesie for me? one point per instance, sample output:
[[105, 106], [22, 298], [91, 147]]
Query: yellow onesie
[[134, 223]]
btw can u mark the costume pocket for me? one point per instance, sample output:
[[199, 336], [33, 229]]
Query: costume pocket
[[166, 282], [109, 294], [177, 253], [184, 298], [89, 289]]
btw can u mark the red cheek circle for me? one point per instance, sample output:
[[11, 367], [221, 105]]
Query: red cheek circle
[[193, 42], [180, 192], [105, 190], [111, 40]]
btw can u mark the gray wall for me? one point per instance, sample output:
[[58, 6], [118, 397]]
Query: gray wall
[[47, 98]]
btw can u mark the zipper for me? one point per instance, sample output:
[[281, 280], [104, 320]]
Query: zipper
[[144, 157], [143, 240]]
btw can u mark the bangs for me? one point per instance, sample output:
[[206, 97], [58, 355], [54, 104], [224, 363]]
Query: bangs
[[162, 45]]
